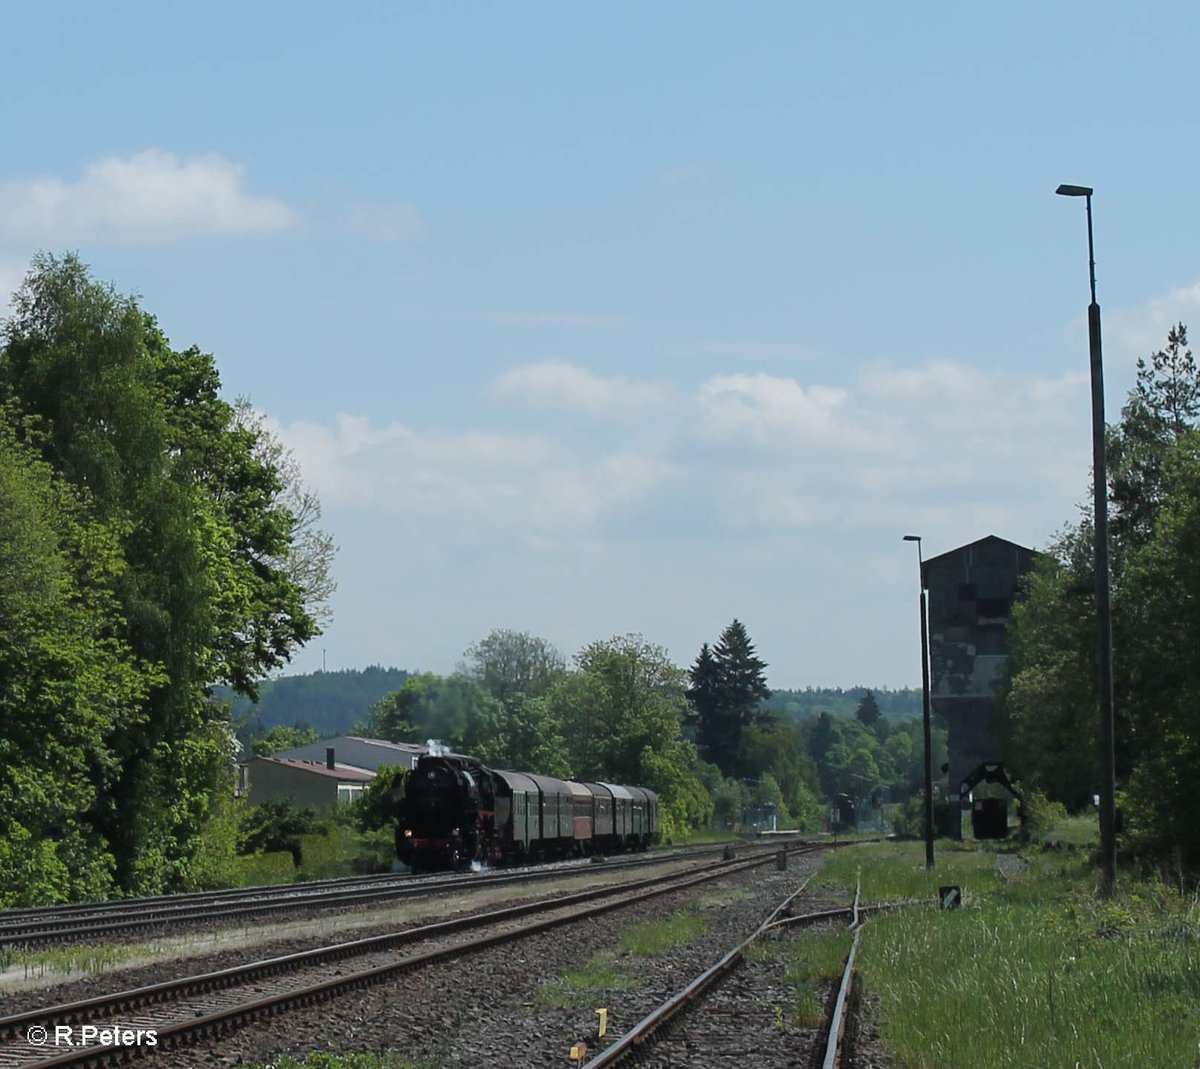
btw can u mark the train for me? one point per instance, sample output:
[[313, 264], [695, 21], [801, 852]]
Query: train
[[454, 813]]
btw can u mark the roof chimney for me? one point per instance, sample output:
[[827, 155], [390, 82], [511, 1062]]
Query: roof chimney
[[329, 757]]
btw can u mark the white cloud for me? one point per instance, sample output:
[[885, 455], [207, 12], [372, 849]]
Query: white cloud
[[554, 384], [151, 196], [468, 485], [780, 413], [739, 454], [1130, 333]]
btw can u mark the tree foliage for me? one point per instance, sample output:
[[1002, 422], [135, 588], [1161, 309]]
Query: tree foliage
[[620, 714], [68, 682], [868, 713], [728, 686], [508, 664], [189, 527], [281, 738], [331, 703], [277, 824], [1154, 493], [453, 710]]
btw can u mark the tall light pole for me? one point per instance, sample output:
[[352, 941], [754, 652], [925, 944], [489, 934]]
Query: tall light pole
[[925, 703], [1108, 775]]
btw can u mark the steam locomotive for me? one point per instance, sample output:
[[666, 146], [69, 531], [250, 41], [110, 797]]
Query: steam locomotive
[[455, 812]]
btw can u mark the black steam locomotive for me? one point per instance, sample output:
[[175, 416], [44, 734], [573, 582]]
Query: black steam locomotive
[[455, 811]]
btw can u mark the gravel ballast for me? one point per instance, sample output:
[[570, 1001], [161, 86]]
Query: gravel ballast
[[498, 1007]]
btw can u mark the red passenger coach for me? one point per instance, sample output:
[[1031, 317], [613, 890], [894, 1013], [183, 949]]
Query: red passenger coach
[[582, 805]]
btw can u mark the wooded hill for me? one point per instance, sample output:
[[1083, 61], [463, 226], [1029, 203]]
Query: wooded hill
[[331, 703], [901, 704]]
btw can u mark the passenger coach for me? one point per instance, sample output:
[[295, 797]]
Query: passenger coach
[[454, 812]]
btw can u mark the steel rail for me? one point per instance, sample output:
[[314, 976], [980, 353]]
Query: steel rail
[[17, 914], [27, 935], [211, 981], [174, 1034], [837, 1019], [648, 1028]]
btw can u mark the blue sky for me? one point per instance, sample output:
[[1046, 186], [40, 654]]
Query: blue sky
[[593, 319]]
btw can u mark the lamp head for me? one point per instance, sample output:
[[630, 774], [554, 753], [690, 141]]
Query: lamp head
[[1074, 191], [912, 538]]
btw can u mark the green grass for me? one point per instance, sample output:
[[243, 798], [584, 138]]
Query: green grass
[[1033, 973], [585, 985], [78, 958], [657, 937], [897, 870], [258, 870], [814, 959], [1075, 831]]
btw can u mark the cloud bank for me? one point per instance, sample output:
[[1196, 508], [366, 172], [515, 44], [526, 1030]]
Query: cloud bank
[[749, 454], [151, 196]]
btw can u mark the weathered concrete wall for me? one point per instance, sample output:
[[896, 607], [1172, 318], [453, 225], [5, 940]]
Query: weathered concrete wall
[[971, 591]]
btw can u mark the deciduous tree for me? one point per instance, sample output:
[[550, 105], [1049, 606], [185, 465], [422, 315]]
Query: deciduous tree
[[156, 455], [509, 663], [68, 682]]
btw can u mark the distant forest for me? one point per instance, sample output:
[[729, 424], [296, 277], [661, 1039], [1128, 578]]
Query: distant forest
[[902, 704], [328, 702], [331, 703]]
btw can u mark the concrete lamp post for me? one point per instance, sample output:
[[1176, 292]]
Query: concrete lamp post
[[1108, 776]]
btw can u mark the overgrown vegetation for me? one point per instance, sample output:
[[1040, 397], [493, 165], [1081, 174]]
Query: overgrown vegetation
[[813, 960], [581, 987], [1154, 501], [88, 958], [1033, 972], [603, 973], [657, 937]]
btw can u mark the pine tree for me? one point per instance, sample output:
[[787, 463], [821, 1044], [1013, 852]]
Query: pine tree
[[706, 698], [743, 685], [1163, 407], [743, 677], [868, 710]]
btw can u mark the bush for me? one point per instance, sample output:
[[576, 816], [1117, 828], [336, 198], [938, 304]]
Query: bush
[[254, 870], [1041, 814], [338, 850], [908, 820], [277, 824]]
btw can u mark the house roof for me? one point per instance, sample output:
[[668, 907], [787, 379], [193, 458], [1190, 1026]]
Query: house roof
[[978, 542], [406, 747], [344, 773]]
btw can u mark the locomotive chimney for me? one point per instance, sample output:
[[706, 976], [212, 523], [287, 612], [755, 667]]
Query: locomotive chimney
[[329, 757]]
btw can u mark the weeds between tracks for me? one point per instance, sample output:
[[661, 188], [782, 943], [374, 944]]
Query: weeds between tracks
[[1035, 971]]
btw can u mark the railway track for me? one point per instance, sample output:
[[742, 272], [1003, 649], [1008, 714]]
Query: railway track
[[744, 1024], [183, 1010], [48, 926]]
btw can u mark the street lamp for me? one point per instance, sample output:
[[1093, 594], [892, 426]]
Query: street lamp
[[925, 702], [1108, 775]]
